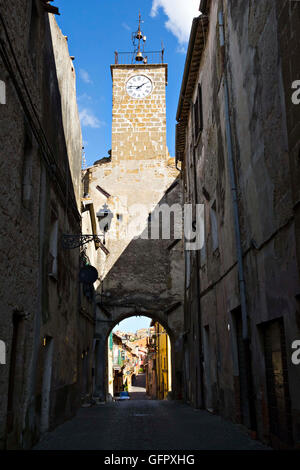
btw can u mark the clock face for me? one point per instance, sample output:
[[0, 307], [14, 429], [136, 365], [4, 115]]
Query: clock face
[[139, 86]]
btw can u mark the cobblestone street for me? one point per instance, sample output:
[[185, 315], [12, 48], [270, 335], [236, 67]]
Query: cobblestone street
[[147, 425]]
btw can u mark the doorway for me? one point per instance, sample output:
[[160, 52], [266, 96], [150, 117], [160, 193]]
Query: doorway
[[46, 383], [16, 374], [207, 368], [277, 383]]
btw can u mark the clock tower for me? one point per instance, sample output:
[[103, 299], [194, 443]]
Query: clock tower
[[139, 169], [139, 104]]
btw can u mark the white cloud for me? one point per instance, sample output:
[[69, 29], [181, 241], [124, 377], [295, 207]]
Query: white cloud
[[84, 97], [88, 119], [85, 76], [180, 15], [181, 49], [125, 26]]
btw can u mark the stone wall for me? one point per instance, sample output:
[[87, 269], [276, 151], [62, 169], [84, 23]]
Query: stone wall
[[41, 383], [66, 79], [20, 268], [255, 66]]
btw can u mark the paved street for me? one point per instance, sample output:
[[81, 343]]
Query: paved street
[[138, 390], [146, 425]]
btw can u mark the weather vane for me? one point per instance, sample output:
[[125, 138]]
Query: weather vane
[[139, 49]]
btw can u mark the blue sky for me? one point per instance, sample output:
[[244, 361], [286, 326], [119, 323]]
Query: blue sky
[[133, 324], [95, 29]]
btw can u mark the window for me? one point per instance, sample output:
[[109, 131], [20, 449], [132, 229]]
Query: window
[[203, 249], [2, 352], [53, 245], [198, 113], [214, 227], [86, 184], [2, 92]]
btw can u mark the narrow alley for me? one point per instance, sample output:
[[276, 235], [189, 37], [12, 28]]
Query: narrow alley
[[140, 424], [150, 225]]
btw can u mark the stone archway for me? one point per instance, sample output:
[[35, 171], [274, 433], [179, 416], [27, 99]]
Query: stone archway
[[108, 319]]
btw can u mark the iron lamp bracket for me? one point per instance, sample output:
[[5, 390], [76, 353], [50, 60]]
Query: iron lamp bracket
[[70, 242]]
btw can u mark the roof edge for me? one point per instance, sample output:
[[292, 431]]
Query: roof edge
[[187, 65]]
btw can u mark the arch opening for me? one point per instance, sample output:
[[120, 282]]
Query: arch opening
[[139, 359]]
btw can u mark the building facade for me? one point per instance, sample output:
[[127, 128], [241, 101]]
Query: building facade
[[123, 365], [158, 364], [162, 363], [48, 341], [237, 139]]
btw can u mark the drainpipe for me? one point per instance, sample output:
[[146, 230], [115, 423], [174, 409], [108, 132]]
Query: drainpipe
[[199, 349], [242, 283]]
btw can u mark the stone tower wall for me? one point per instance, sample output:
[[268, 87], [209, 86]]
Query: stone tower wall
[[139, 125]]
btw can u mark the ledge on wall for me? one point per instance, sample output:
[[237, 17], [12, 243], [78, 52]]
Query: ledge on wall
[[50, 8]]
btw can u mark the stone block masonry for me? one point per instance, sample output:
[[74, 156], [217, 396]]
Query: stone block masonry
[[139, 126]]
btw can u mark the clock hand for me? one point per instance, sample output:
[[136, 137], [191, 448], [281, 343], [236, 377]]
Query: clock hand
[[142, 85]]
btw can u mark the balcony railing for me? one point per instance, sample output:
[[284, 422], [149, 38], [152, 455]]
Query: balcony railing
[[151, 57]]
